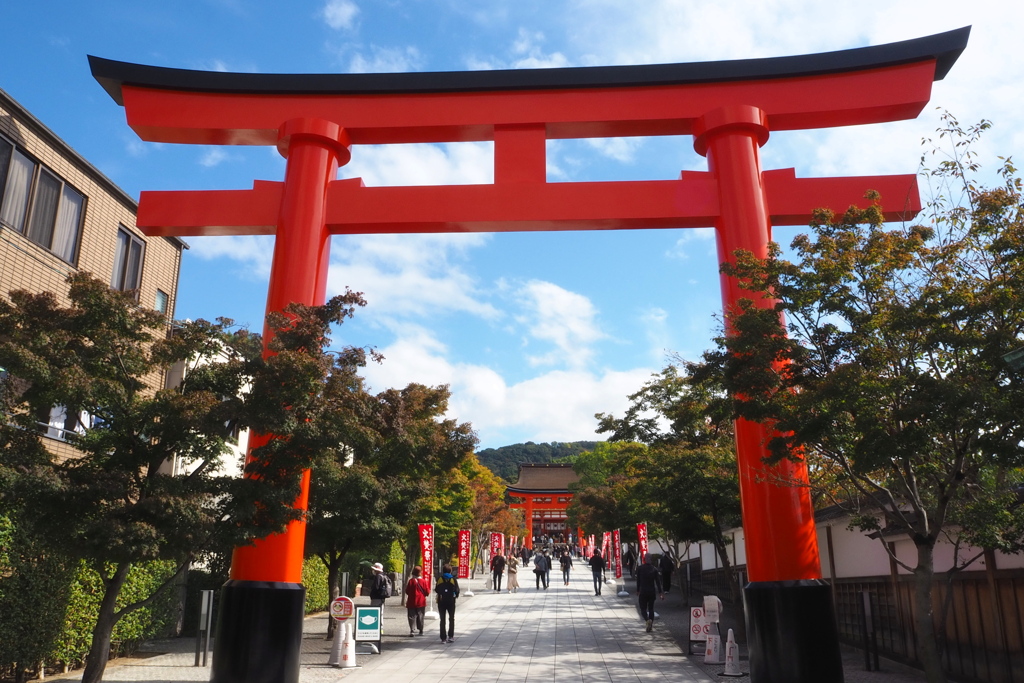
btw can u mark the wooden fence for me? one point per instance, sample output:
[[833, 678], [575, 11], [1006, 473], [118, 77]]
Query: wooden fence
[[982, 640], [979, 618]]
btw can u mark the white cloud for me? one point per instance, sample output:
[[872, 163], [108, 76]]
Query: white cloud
[[339, 14], [463, 163], [654, 322], [700, 241], [563, 318], [555, 406], [620, 149], [213, 156], [387, 60], [254, 252], [403, 276], [525, 53]]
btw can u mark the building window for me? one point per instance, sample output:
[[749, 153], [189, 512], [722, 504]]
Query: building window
[[127, 275], [38, 204], [161, 302]]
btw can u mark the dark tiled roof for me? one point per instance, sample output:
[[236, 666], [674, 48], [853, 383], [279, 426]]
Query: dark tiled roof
[[544, 478]]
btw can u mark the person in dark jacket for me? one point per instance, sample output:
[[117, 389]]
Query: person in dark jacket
[[447, 590], [541, 569], [379, 589], [497, 571], [597, 566], [648, 586], [566, 561], [667, 566], [629, 561]]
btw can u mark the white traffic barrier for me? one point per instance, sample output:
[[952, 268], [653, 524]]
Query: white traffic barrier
[[732, 657], [335, 657], [713, 648], [348, 649]]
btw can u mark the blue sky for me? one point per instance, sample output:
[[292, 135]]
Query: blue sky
[[534, 332]]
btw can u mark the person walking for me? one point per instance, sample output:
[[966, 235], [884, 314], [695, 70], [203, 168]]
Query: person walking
[[597, 566], [566, 562], [497, 571], [513, 574], [380, 589], [648, 586], [540, 569], [667, 566], [447, 590], [416, 592], [629, 561]]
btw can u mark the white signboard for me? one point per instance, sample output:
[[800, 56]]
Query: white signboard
[[712, 608], [368, 623], [699, 625]]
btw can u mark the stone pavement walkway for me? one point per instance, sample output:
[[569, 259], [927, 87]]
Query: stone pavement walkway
[[563, 634]]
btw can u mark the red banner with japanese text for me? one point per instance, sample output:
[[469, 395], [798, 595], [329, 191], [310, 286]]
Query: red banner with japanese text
[[606, 546], [617, 552], [427, 551], [497, 543], [465, 542], [641, 535]]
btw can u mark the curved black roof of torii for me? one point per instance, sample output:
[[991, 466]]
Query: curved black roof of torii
[[945, 48]]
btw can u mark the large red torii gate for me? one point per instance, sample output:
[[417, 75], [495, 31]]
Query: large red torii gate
[[729, 107]]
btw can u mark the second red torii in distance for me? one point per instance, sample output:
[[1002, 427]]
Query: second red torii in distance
[[730, 108]]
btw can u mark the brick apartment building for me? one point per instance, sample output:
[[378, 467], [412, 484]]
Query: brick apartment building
[[59, 215]]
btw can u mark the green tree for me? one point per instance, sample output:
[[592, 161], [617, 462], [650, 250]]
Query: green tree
[[892, 370], [394, 453], [604, 498], [117, 504], [688, 485]]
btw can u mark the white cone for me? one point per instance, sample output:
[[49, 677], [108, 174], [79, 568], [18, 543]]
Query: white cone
[[348, 649], [732, 657], [713, 647]]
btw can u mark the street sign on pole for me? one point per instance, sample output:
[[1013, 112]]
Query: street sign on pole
[[342, 608]]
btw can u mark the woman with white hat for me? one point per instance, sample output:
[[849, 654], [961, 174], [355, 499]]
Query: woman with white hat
[[380, 588]]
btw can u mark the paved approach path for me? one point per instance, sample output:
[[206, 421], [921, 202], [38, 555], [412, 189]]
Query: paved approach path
[[563, 634]]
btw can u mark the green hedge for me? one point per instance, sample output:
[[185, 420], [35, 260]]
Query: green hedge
[[314, 578], [59, 605]]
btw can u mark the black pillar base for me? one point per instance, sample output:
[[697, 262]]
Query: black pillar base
[[791, 632], [259, 632]]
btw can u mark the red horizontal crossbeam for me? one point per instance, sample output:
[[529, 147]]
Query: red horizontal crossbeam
[[886, 94], [689, 202]]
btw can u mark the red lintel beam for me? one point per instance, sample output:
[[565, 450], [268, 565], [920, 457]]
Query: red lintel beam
[[847, 87], [353, 209]]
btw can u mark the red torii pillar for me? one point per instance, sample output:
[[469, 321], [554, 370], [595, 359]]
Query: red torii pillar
[[729, 108]]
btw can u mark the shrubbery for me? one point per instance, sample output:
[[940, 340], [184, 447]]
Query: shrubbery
[[50, 608]]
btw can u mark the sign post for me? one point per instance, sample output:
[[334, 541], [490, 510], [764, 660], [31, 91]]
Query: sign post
[[205, 627], [368, 627], [341, 609]]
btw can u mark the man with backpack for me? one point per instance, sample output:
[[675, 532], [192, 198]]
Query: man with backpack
[[380, 589], [447, 590]]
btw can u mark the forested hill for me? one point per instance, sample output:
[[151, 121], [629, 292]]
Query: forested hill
[[505, 461]]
